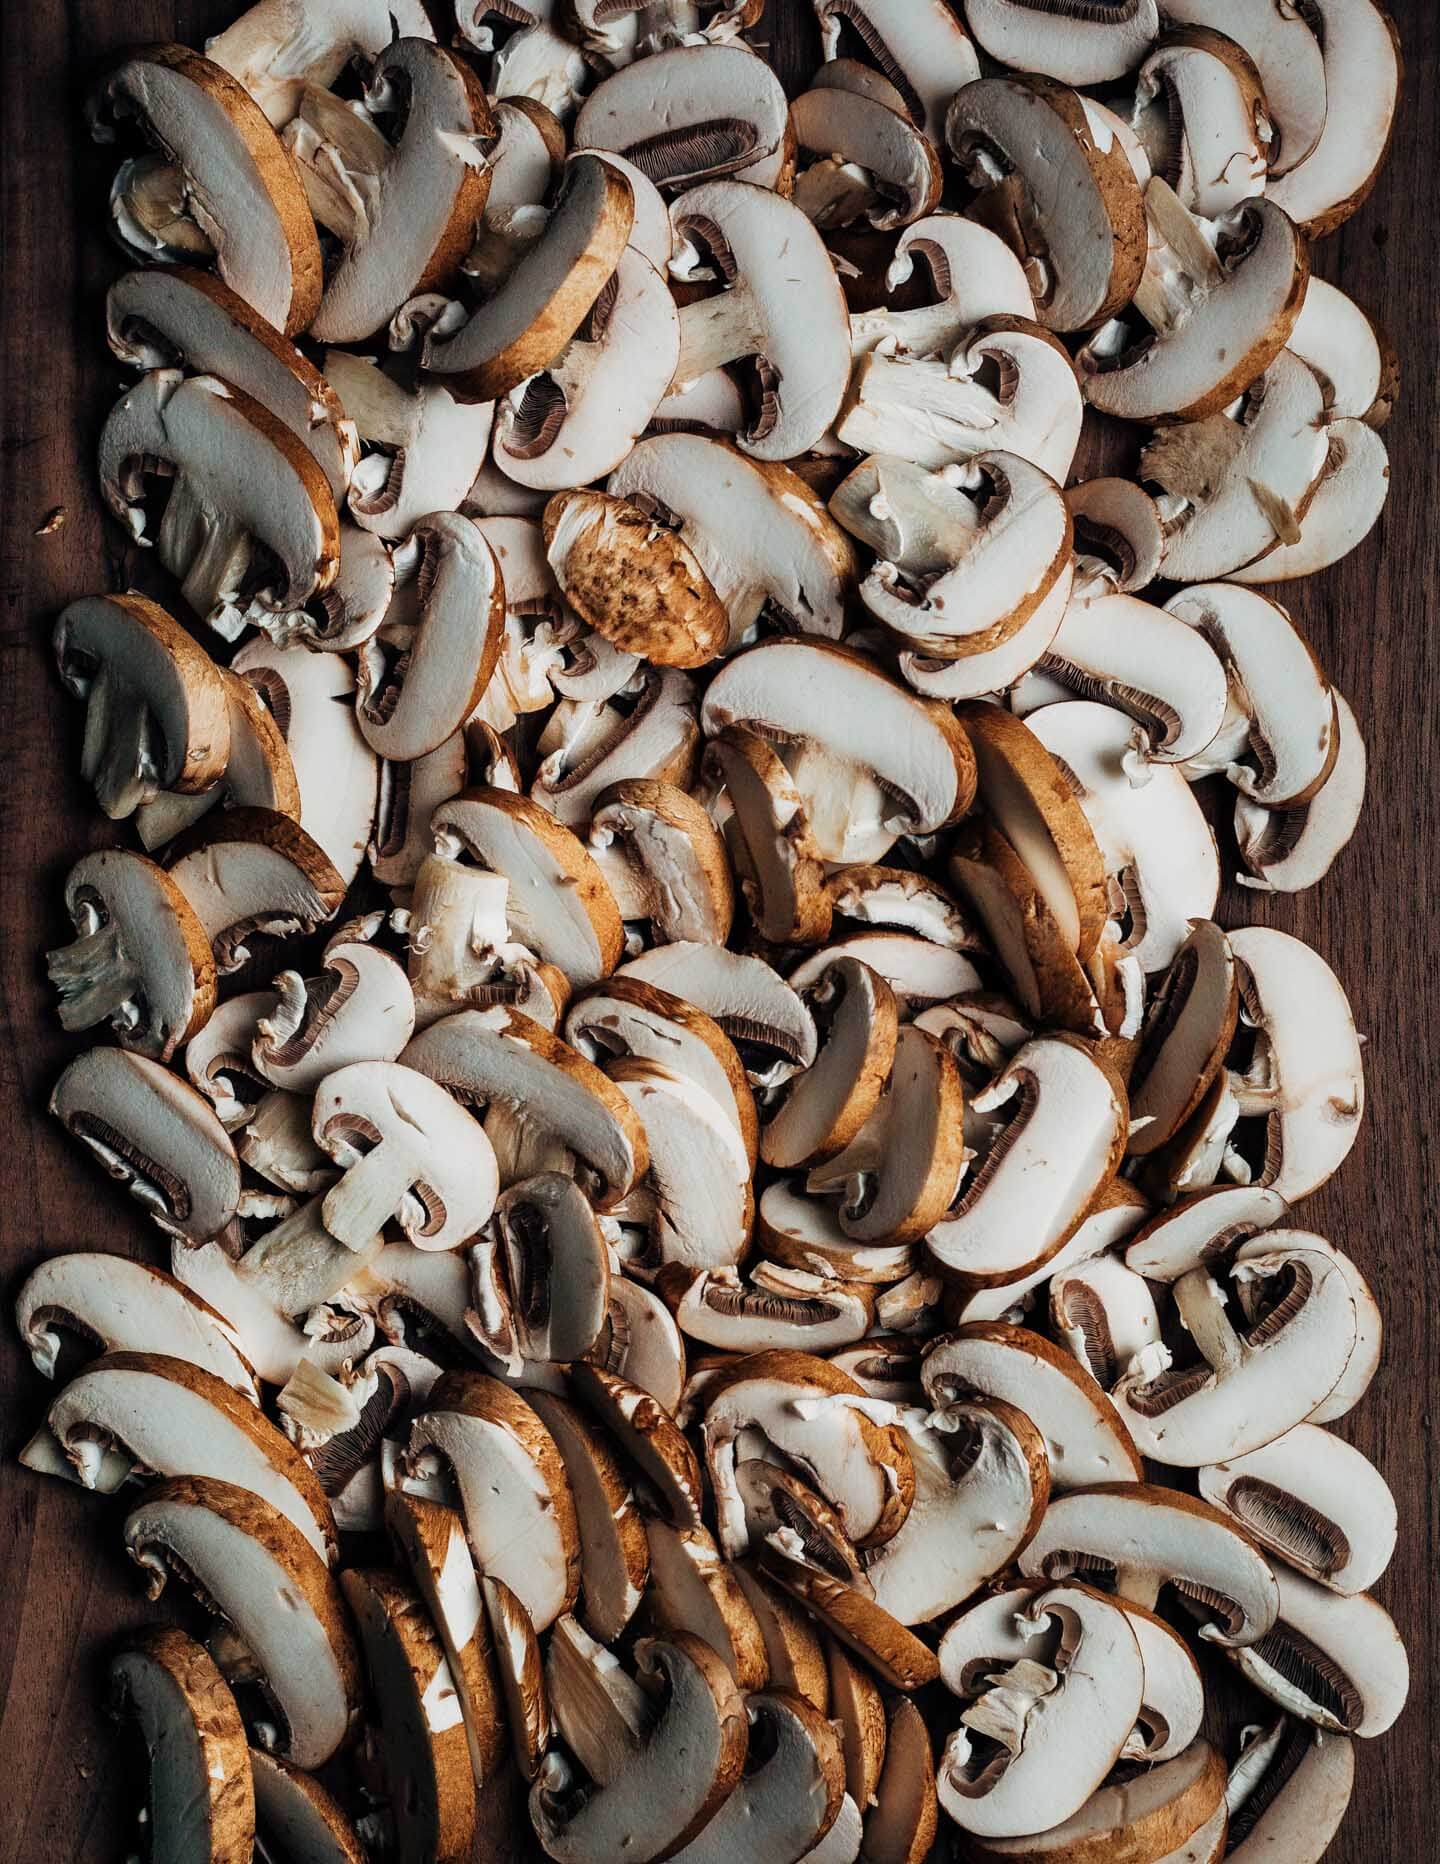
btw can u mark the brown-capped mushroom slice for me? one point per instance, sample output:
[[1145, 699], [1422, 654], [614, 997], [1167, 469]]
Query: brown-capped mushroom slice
[[1064, 40], [1114, 1216], [882, 1643], [774, 1308], [556, 1267], [1026, 143], [1188, 1030], [1200, 113], [641, 1343], [1362, 73], [297, 1818], [648, 1435], [837, 124], [271, 1344], [238, 188], [409, 794], [520, 1662], [255, 1571], [777, 862], [1344, 507], [154, 1134], [644, 730], [1117, 526], [1063, 1138], [359, 1008], [1173, 1705], [858, 1710], [1200, 1227], [259, 772], [923, 50], [920, 974], [600, 1711], [249, 871], [1106, 1314], [975, 276], [1349, 352], [792, 323], [1146, 1538], [692, 1589], [825, 1108], [763, 1016], [199, 1801], [694, 1205], [249, 526], [460, 951], [1363, 1363], [540, 631], [902, 900], [524, 163], [1338, 1662], [531, 60], [276, 47], [419, 1742], [804, 1232], [1287, 57], [1314, 1500], [1288, 1791], [614, 1551], [795, 1657], [790, 1793], [684, 1755], [678, 862]]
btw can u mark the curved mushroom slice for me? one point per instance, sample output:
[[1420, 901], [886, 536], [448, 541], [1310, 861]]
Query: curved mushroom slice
[[1352, 356], [420, 1742], [1026, 143], [782, 1508], [537, 310], [694, 1205], [118, 1305], [1361, 1367], [1147, 1538], [901, 1820], [1314, 1500], [1154, 840], [249, 871], [684, 1756], [920, 974], [791, 322], [795, 1658], [249, 526], [199, 1800], [156, 714], [154, 1134], [1344, 508], [297, 1817], [175, 1419], [254, 1570], [259, 772], [1114, 1215], [540, 631], [826, 1107], [277, 47], [775, 1308], [1288, 60], [975, 276], [1201, 1227], [520, 1663], [692, 1589], [982, 1480], [1200, 113], [556, 1265], [1287, 850], [559, 903], [1117, 523], [1173, 1705], [524, 164], [644, 730], [239, 188], [460, 952], [1188, 1030], [1288, 1792], [360, 1008], [923, 50], [676, 855], [651, 1439], [1105, 1314], [882, 1643], [1337, 1662], [836, 124], [1065, 41], [790, 1793], [767, 1020], [1362, 73], [1306, 1077], [614, 1551], [1064, 1137]]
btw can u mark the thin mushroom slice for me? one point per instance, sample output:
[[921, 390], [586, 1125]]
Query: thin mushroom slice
[[614, 1550], [1361, 52], [1116, 1213], [676, 854], [803, 1232], [641, 1343], [1286, 53], [199, 1800], [1201, 1227], [645, 730], [900, 1823], [1337, 1662], [1200, 114], [649, 1437], [297, 1818], [858, 1709], [1314, 1500], [520, 1663], [774, 1308], [1106, 1315], [763, 1016], [1363, 1363], [1065, 41], [1339, 340], [824, 1108], [1187, 1032], [780, 1503], [692, 1589], [836, 126], [249, 871], [1117, 524], [882, 1643], [974, 274], [556, 1267], [920, 974], [154, 1134], [1344, 508], [991, 670], [1143, 1538], [789, 1794], [779, 866], [694, 1206], [255, 1571], [794, 1655], [901, 900], [259, 772], [1172, 1708], [360, 1008], [275, 56], [523, 167], [1288, 1792], [922, 49]]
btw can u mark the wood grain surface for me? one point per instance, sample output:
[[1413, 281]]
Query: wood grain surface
[[64, 1585]]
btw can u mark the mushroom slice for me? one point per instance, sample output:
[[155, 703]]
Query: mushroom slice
[[1155, 842], [825, 1108], [297, 1817], [1305, 1077], [776, 1308], [790, 1793], [858, 1709], [1343, 510], [645, 731], [420, 1742], [1115, 1215], [1287, 56], [975, 276], [527, 323], [1213, 137], [559, 903], [793, 324], [763, 539], [1337, 1662], [763, 1016], [199, 1800], [360, 1008], [641, 1343], [460, 950], [1064, 1137], [1349, 352], [519, 1513], [795, 1658], [982, 1480], [723, 112], [803, 1232], [1288, 1791], [676, 855], [1026, 143], [276, 47], [1200, 1227], [239, 189], [520, 1663], [695, 1202], [692, 1589], [254, 1570], [894, 1653], [1188, 1030], [249, 526], [523, 166], [649, 1436], [1314, 1500], [1063, 40], [685, 1755], [409, 1153], [922, 49], [1361, 52], [259, 772], [1146, 1538], [778, 1503], [842, 125], [1105, 1314], [556, 1267], [614, 1550], [248, 871], [920, 975], [1363, 1363], [156, 716], [154, 1134], [176, 1419]]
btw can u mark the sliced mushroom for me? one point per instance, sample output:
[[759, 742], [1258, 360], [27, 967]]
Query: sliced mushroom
[[975, 276], [460, 951], [675, 858], [248, 871], [649, 1437], [1349, 352], [520, 1663], [775, 1308], [923, 50], [1106, 1315], [1361, 53], [1200, 110], [767, 1020], [299, 1817], [260, 48], [825, 1108], [360, 1008], [534, 62], [409, 794], [837, 125], [1337, 1662], [645, 730], [1188, 1030], [1288, 1792], [692, 1588], [259, 772], [803, 1232], [789, 1794], [614, 1550], [695, 1205], [1287, 57], [556, 1267], [523, 166], [1062, 40], [795, 1658], [882, 1643], [1344, 507]]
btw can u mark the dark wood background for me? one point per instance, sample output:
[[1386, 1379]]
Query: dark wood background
[[64, 1584]]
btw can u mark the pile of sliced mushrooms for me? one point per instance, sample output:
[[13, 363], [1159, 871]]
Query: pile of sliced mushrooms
[[745, 1266]]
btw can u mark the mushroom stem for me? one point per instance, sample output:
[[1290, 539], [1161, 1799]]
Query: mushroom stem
[[1202, 1312], [300, 1262], [95, 977], [715, 331], [1180, 263], [370, 1193], [340, 156]]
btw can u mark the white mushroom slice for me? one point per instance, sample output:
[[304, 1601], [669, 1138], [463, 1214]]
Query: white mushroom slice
[[845, 125], [519, 1513], [559, 904], [1363, 1363], [975, 276], [1288, 1792], [759, 533], [360, 1008], [253, 1569], [792, 323], [648, 733], [1154, 839], [790, 1794], [1343, 510], [1054, 1720], [409, 794], [1235, 486], [556, 1267], [1062, 40], [776, 860], [774, 1309], [1306, 1077], [249, 526], [538, 625], [535, 62], [460, 951], [1188, 1030], [199, 1801], [1173, 1706], [922, 49], [151, 214], [712, 405], [1199, 1228], [1117, 524], [416, 1293], [1115, 1215], [919, 973], [277, 46], [694, 1204], [825, 1108], [117, 1305], [1027, 144], [1063, 1138], [238, 185], [650, 235], [1200, 110], [249, 871], [614, 1552], [1106, 1315], [277, 1143], [762, 1015], [299, 1818], [994, 669], [1287, 56], [271, 1344], [1314, 1500], [1337, 1662], [692, 1588], [680, 870], [523, 167], [1349, 352], [156, 1136], [420, 1745], [722, 112], [1361, 52], [898, 898]]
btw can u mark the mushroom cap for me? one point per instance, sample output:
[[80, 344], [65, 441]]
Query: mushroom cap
[[921, 47], [750, 1001], [255, 1570], [1339, 1662]]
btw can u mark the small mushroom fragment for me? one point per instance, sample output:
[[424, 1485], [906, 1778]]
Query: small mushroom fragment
[[614, 1550], [674, 859], [248, 871], [789, 1794], [238, 188], [775, 1308], [922, 49], [692, 1588], [1288, 1792], [419, 1740], [199, 1801], [649, 1436], [155, 704], [1287, 850], [1344, 507], [1314, 1500], [882, 1643], [1360, 48], [695, 1203], [792, 323], [156, 1135], [1106, 1315], [838, 126], [1337, 1662], [257, 1573], [773, 1030]]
